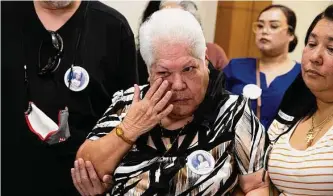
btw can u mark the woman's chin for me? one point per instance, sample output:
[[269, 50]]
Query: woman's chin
[[181, 111]]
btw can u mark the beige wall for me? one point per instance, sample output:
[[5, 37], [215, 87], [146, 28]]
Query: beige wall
[[305, 12], [132, 10]]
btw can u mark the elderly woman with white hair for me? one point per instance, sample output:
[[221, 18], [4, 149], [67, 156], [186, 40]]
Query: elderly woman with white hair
[[149, 139], [215, 54]]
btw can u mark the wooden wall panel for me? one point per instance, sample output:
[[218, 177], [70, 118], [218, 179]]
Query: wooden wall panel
[[233, 30], [239, 37], [223, 32]]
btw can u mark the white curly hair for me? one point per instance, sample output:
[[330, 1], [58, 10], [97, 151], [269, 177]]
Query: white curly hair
[[171, 26]]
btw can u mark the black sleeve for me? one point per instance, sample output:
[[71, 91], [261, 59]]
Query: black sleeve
[[127, 60], [120, 68], [142, 68]]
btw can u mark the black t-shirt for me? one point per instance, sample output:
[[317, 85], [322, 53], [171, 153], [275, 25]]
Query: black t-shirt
[[142, 69], [106, 50]]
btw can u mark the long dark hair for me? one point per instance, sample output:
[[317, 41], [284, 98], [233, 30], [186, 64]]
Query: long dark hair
[[291, 21], [298, 101], [152, 7]]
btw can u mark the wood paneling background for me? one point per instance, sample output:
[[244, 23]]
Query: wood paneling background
[[233, 30]]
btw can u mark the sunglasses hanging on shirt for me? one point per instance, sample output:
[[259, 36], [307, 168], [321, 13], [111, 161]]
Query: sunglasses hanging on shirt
[[39, 122], [53, 62], [76, 79]]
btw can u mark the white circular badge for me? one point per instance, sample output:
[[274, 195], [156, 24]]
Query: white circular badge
[[76, 78], [200, 162], [252, 91]]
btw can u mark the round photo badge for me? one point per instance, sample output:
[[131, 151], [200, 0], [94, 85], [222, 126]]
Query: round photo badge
[[200, 162], [76, 78], [252, 91]]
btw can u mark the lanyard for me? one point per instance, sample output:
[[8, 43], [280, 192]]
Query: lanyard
[[259, 85]]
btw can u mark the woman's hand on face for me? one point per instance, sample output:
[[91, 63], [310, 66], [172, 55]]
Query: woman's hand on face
[[144, 114]]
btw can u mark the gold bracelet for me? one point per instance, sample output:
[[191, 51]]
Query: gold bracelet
[[120, 133]]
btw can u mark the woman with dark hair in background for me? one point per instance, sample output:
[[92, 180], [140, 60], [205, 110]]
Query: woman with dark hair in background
[[215, 54], [265, 80], [301, 136]]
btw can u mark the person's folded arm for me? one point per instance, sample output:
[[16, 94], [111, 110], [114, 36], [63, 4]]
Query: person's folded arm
[[106, 152], [104, 148], [100, 153], [249, 152], [253, 184]]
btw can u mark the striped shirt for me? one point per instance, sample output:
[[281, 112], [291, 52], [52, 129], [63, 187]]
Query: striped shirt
[[301, 172], [223, 125]]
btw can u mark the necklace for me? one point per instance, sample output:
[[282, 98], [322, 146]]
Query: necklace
[[169, 147], [311, 135], [165, 133]]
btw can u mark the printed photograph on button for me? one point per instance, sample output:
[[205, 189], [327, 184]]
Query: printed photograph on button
[[77, 79], [201, 162]]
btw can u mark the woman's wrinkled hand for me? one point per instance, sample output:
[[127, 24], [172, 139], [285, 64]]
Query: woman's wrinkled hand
[[144, 114], [86, 181]]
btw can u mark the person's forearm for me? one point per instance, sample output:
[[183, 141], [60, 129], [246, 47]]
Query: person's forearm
[[106, 152], [252, 184], [263, 191]]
